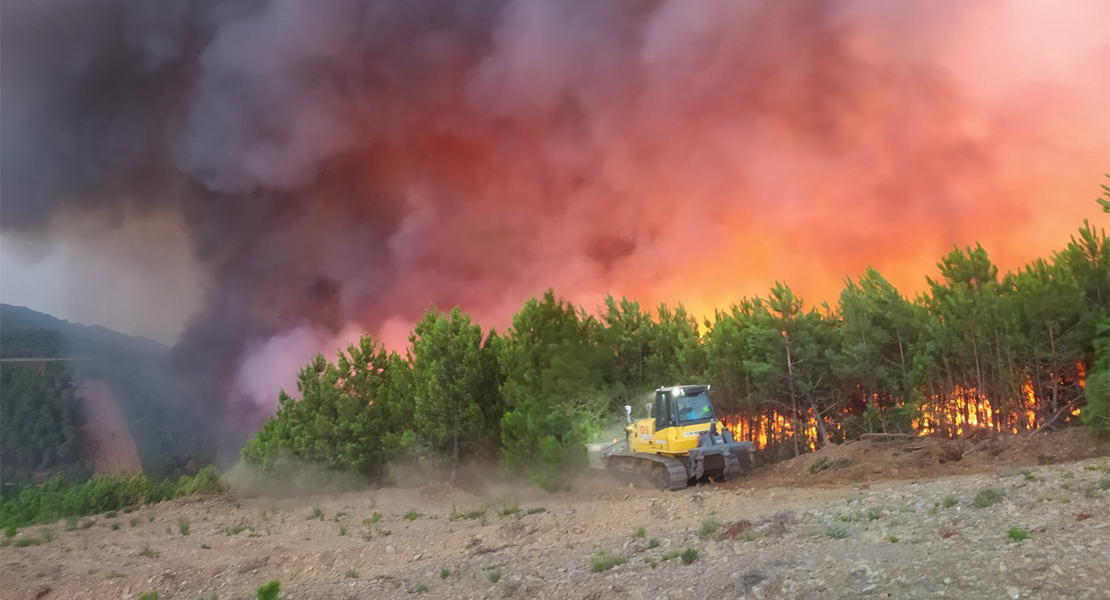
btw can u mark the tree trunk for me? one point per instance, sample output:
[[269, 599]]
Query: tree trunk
[[823, 436], [455, 458], [793, 396], [1053, 370]]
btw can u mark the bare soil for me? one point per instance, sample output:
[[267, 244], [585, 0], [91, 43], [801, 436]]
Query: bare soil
[[106, 434], [781, 533]]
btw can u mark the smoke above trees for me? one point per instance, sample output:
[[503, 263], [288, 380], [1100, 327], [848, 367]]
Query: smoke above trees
[[341, 165]]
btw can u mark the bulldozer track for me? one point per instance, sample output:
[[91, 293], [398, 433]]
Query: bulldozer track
[[650, 470]]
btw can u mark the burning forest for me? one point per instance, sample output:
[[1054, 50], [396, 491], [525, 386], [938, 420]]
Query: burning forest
[[282, 177]]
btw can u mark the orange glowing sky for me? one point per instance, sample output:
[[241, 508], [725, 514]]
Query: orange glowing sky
[[479, 153], [881, 142]]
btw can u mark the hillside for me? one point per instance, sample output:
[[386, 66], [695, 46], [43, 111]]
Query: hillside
[[155, 403], [997, 531]]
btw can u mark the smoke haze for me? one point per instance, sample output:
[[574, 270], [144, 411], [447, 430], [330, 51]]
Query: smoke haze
[[339, 165]]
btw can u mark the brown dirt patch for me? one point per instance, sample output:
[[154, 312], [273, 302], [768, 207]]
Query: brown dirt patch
[[910, 458]]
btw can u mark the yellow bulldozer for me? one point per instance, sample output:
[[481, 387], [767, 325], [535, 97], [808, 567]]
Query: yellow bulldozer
[[681, 442]]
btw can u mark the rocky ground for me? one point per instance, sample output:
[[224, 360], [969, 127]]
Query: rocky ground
[[1039, 531]]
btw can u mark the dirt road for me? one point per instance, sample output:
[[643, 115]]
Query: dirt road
[[909, 539]]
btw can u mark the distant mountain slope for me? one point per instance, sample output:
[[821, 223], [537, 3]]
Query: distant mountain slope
[[16, 321], [159, 406]]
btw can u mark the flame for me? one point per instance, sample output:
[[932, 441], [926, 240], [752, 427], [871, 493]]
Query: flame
[[954, 414]]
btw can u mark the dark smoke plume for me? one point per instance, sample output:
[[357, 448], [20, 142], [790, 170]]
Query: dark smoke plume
[[339, 165]]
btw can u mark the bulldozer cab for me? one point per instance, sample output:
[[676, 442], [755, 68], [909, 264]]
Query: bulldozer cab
[[677, 417], [682, 405]]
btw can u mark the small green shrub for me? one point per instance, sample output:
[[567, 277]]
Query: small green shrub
[[419, 589], [374, 518], [206, 547], [183, 526], [688, 556], [148, 552], [25, 542], [651, 562], [352, 574], [874, 514], [640, 533], [949, 501], [893, 539], [47, 534], [535, 511], [836, 530], [10, 531], [494, 574], [1017, 534], [653, 543], [317, 513], [237, 528], [444, 573], [150, 596], [750, 534], [710, 529], [671, 555], [269, 591], [468, 515], [384, 532], [823, 464], [603, 561], [848, 518], [135, 521], [987, 497], [115, 526], [342, 530], [110, 514], [1104, 482], [412, 515]]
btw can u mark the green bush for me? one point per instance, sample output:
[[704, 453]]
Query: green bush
[[949, 501], [836, 530], [57, 498], [688, 556], [604, 561], [987, 497], [269, 591], [1017, 534], [710, 529]]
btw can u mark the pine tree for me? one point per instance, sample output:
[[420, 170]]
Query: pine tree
[[553, 390], [450, 379]]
